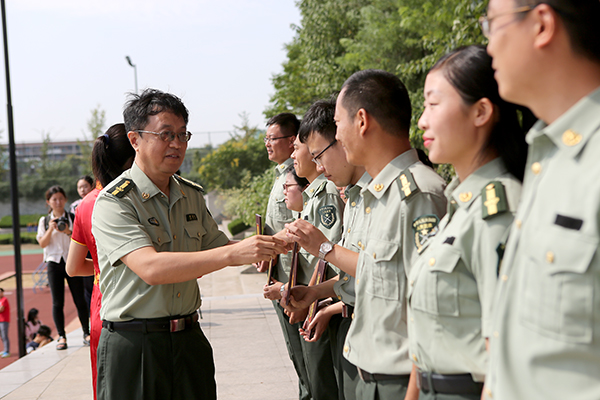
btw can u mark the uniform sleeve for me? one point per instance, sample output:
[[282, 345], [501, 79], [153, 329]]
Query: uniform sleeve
[[116, 228], [489, 236], [329, 215], [417, 206]]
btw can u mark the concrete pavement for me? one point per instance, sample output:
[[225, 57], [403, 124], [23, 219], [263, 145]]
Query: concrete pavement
[[250, 354]]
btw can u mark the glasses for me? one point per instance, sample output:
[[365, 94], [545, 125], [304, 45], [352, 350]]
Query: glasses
[[168, 136], [286, 186], [485, 21], [272, 139], [318, 156]]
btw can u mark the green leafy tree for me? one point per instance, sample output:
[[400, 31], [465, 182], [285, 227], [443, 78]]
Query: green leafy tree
[[95, 126], [250, 197], [231, 162]]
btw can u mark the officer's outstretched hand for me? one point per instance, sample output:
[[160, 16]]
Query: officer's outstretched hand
[[307, 236], [301, 297], [256, 248]]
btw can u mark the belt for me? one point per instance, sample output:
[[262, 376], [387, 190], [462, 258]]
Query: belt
[[153, 325], [448, 384], [347, 311], [368, 377]]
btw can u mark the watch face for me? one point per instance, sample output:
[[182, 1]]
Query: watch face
[[326, 247]]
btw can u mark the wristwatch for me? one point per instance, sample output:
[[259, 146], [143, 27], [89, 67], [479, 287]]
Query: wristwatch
[[325, 248], [282, 289]]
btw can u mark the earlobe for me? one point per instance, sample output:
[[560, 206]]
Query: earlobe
[[484, 111], [133, 138], [362, 121]]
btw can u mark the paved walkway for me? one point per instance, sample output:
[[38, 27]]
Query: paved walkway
[[250, 354]]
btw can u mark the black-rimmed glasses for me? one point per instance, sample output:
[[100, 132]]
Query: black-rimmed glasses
[[168, 136], [316, 158]]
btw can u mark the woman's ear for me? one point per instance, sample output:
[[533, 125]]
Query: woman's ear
[[484, 112]]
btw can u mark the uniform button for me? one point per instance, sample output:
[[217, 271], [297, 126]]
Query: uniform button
[[158, 240], [348, 230], [550, 257], [352, 315], [312, 190], [431, 262], [199, 234], [489, 393], [518, 223], [339, 297], [179, 294], [306, 202], [346, 349], [175, 237], [414, 357], [536, 168], [368, 210], [374, 256], [357, 281], [504, 278], [345, 278], [353, 204], [496, 334], [412, 319], [412, 283]]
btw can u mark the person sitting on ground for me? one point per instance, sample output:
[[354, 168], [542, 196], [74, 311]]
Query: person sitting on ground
[[32, 324], [42, 338]]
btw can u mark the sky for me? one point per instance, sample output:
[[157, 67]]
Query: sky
[[67, 57]]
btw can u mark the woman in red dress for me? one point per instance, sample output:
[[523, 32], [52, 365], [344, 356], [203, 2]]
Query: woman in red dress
[[112, 154]]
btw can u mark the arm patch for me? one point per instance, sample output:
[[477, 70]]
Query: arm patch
[[121, 188], [328, 216], [493, 198], [407, 184]]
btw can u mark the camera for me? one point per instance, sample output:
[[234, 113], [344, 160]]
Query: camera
[[61, 223]]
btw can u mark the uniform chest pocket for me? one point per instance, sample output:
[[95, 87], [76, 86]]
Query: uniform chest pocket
[[557, 295], [280, 211], [436, 288], [160, 238], [194, 233], [386, 278]]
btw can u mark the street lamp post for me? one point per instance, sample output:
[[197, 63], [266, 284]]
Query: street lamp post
[[134, 72]]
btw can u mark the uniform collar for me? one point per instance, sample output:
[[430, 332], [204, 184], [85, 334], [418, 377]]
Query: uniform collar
[[570, 132], [283, 166], [354, 190], [380, 184], [149, 189], [315, 187], [464, 193]]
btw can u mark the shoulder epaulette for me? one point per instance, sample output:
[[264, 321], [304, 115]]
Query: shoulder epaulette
[[189, 183], [121, 188], [322, 186], [407, 184], [493, 198]]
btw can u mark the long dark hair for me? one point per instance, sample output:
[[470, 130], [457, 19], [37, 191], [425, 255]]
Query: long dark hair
[[469, 70], [110, 153]]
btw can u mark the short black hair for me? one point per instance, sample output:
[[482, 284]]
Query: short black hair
[[303, 182], [287, 122], [580, 18], [44, 330], [319, 118], [383, 96], [151, 102]]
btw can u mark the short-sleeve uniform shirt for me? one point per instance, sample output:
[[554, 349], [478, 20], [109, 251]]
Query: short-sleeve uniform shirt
[[546, 330], [402, 193], [277, 216], [352, 237], [131, 213], [452, 283]]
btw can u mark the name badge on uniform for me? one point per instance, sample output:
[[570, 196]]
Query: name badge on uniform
[[153, 221], [191, 217]]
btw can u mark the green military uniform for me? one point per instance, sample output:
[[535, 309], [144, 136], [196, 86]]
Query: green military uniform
[[352, 237], [452, 283], [323, 208], [404, 191], [131, 213], [277, 216], [545, 340]]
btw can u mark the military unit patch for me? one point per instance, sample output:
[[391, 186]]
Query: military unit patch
[[424, 227], [328, 216], [494, 201], [407, 184], [121, 188]]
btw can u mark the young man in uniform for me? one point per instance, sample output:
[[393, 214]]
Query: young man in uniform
[[155, 237], [323, 208], [330, 157], [373, 118], [546, 330]]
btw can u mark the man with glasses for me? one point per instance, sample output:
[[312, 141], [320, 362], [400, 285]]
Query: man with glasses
[[155, 237], [330, 158], [546, 329]]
